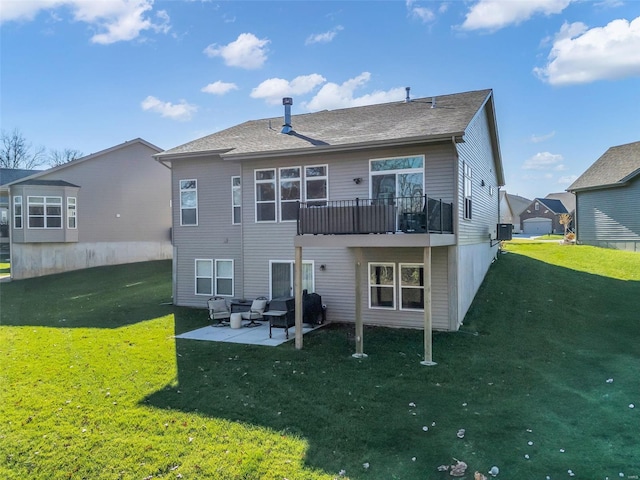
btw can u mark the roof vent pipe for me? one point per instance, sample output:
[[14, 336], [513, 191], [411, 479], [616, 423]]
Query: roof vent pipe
[[287, 102], [433, 102], [408, 99]]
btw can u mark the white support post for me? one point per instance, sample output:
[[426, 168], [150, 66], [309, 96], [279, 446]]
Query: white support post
[[358, 294], [428, 336], [298, 296]]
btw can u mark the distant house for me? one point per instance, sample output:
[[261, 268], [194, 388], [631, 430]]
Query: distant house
[[568, 199], [8, 175], [511, 206], [107, 208], [608, 200], [387, 211], [542, 216]]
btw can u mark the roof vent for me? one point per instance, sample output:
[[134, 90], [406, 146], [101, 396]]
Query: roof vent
[[287, 102], [433, 102], [408, 99]]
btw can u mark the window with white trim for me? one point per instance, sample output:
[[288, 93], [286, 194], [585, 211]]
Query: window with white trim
[[290, 192], [17, 211], [236, 200], [411, 286], [382, 285], [467, 191], [188, 202], [316, 185], [265, 184], [204, 277], [72, 213], [224, 278], [44, 212]]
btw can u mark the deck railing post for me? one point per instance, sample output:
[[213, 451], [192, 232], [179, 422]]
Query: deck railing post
[[356, 217]]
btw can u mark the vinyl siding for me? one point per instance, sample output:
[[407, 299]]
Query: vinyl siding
[[609, 218]]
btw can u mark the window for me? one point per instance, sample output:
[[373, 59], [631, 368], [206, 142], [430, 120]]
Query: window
[[411, 287], [316, 183], [265, 181], [44, 212], [382, 285], [72, 222], [236, 201], [17, 211], [204, 277], [467, 191], [224, 277], [282, 276], [290, 186], [188, 202], [537, 206]]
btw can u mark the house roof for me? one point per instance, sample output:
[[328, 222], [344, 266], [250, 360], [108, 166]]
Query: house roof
[[8, 175], [38, 173], [554, 205], [48, 183], [568, 199], [394, 123], [615, 168], [518, 203]]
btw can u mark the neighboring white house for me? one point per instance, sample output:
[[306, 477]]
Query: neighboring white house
[[511, 206], [107, 208], [387, 211], [608, 200]]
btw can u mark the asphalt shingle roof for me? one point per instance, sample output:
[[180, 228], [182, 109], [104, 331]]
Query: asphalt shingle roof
[[617, 165], [379, 123], [556, 206], [8, 175]]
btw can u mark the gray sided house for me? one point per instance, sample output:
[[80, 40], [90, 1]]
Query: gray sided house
[[608, 200], [107, 208], [542, 217], [389, 209], [511, 206]]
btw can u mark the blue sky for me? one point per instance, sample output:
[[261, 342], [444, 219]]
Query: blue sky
[[89, 74]]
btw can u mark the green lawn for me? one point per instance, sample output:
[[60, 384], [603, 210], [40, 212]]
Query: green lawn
[[95, 386]]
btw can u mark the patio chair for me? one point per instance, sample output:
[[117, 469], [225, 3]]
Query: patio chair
[[219, 311], [255, 312]]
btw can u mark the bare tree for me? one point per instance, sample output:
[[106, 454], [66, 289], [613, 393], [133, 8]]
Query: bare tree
[[60, 157], [17, 152], [565, 219]]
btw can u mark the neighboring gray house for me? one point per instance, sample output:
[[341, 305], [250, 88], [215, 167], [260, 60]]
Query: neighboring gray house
[[542, 217], [608, 200], [346, 192], [107, 208], [511, 206]]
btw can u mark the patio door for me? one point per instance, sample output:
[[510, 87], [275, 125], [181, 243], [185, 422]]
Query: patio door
[[282, 278]]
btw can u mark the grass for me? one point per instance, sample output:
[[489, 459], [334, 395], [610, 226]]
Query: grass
[[101, 389]]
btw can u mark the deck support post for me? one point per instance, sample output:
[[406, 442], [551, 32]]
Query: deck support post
[[428, 335], [358, 306], [298, 296]]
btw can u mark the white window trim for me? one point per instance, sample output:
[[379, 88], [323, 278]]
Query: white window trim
[[292, 179], [291, 266], [323, 177], [274, 181], [394, 286], [233, 205], [216, 277], [17, 200], [401, 286], [196, 277], [44, 216], [72, 212], [182, 224]]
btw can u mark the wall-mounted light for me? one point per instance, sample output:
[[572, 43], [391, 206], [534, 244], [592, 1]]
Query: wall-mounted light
[[357, 180], [323, 267], [482, 183]]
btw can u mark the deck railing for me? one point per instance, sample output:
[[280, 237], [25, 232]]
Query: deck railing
[[418, 214]]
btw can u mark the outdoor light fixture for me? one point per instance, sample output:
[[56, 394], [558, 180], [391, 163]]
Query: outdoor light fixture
[[357, 180], [323, 267]]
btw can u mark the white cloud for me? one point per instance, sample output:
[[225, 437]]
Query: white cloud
[[181, 111], [568, 179], [421, 13], [219, 88], [247, 51], [332, 95], [582, 55], [325, 37], [115, 20], [273, 89], [542, 138], [497, 14], [542, 161]]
